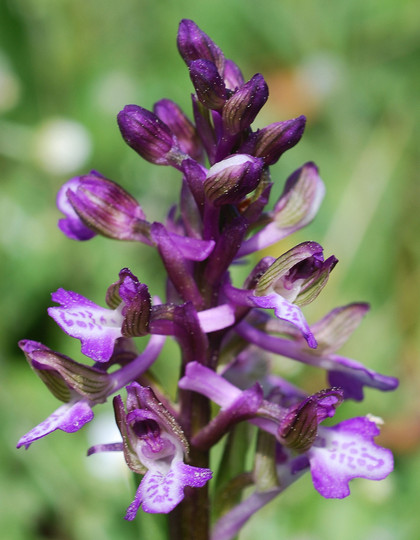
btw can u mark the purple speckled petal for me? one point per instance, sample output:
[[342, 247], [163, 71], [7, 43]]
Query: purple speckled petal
[[96, 327], [72, 226], [347, 451], [160, 493], [288, 312], [69, 418]]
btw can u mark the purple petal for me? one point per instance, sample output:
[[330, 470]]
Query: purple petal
[[348, 452], [216, 318], [229, 180], [184, 130], [336, 327], [232, 75], [143, 131], [193, 44], [208, 83], [193, 249], [355, 373], [241, 109], [272, 141], [96, 327], [207, 382], [160, 493], [69, 418], [296, 208], [110, 447], [72, 226], [351, 376], [288, 312]]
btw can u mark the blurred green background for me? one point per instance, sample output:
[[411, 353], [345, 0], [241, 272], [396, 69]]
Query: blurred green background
[[66, 68]]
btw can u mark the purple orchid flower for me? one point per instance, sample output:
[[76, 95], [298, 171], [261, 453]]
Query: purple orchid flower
[[297, 277], [153, 445], [80, 387], [98, 327], [340, 454]]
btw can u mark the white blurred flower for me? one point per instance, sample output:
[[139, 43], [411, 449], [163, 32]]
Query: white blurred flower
[[114, 90], [105, 465], [62, 146]]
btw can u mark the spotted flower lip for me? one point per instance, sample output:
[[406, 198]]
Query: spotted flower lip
[[97, 327]]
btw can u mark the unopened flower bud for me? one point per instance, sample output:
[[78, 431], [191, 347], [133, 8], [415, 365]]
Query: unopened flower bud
[[230, 180], [147, 135], [182, 128], [242, 108], [106, 208], [232, 75], [64, 377], [137, 303], [299, 428], [194, 44], [273, 140], [208, 84]]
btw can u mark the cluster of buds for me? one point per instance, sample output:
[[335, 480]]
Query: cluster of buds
[[229, 335]]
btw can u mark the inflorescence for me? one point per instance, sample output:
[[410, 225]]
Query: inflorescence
[[229, 336]]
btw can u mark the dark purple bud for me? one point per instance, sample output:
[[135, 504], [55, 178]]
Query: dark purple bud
[[232, 75], [228, 181], [242, 108], [137, 303], [106, 208], [272, 141], [194, 44], [147, 135], [182, 128], [299, 428], [208, 84]]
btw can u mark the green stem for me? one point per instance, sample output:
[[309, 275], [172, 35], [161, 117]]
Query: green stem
[[190, 520]]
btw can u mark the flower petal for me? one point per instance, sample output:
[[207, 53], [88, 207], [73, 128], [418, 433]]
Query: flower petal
[[69, 418], [348, 452], [72, 226], [96, 327], [288, 312], [159, 493]]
